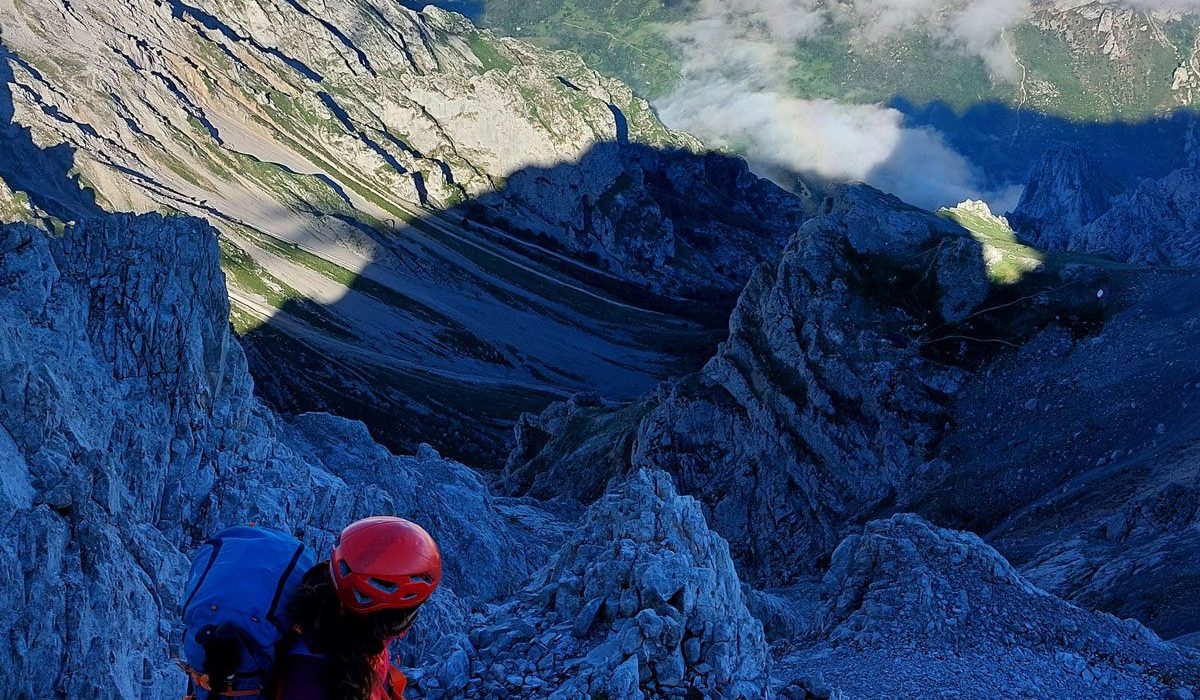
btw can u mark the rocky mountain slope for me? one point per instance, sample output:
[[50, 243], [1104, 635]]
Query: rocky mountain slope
[[820, 407], [880, 369], [1098, 515], [129, 315], [825, 403], [1070, 204], [435, 229], [1065, 192], [335, 147], [1158, 223], [641, 598], [909, 607], [633, 598]]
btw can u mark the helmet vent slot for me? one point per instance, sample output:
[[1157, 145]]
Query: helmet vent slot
[[343, 567], [420, 578], [409, 596], [362, 599], [385, 586]]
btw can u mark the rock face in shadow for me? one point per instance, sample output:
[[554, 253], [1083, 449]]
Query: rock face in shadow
[[642, 600], [572, 447], [679, 223], [847, 391], [906, 605], [822, 405], [1071, 205], [1103, 517], [1065, 192], [129, 433], [1157, 223]]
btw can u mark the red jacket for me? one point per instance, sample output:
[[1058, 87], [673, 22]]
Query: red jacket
[[391, 681], [302, 676]]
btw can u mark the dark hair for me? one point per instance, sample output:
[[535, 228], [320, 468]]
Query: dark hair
[[348, 640]]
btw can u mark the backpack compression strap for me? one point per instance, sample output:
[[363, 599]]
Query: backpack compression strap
[[201, 680]]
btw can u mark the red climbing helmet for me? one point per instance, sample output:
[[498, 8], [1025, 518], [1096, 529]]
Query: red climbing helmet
[[384, 563]]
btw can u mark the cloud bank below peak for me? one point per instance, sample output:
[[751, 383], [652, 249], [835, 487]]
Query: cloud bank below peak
[[736, 57], [783, 136]]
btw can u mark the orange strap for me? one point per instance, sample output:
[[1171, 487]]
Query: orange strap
[[397, 682], [202, 681]]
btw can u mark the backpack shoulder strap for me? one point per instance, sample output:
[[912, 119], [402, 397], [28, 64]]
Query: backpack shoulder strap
[[291, 644]]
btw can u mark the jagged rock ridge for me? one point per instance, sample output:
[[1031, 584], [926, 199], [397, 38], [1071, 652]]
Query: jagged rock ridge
[[1158, 223], [641, 598], [999, 422], [1070, 205], [821, 406]]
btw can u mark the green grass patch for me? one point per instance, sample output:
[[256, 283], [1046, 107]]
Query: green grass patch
[[1007, 259], [487, 53], [15, 206], [834, 64], [244, 274], [622, 38]]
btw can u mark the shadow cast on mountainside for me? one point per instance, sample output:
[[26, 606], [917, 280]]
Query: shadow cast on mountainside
[[43, 174], [827, 406], [1004, 142], [1020, 446], [604, 276], [614, 273]]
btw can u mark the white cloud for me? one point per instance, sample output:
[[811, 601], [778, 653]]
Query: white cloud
[[780, 135], [737, 55]]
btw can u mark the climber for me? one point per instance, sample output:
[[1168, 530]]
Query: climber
[[263, 619], [349, 609]]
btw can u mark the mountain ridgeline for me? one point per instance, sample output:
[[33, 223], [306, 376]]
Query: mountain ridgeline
[[704, 436]]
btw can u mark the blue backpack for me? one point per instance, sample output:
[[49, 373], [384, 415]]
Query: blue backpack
[[235, 610]]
